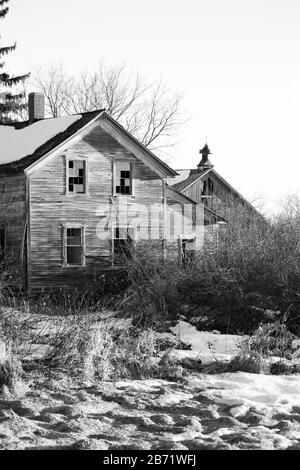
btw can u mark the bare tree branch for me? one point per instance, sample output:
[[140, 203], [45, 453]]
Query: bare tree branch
[[149, 111]]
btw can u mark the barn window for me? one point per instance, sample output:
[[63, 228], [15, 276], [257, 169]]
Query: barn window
[[76, 176], [74, 246], [122, 244], [123, 178], [208, 187]]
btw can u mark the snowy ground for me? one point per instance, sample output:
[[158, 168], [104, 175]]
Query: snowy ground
[[228, 411], [205, 345], [198, 411]]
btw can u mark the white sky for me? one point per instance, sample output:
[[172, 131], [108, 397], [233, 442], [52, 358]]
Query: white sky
[[237, 62]]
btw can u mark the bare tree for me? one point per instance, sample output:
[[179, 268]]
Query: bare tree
[[148, 110], [290, 206], [55, 86]]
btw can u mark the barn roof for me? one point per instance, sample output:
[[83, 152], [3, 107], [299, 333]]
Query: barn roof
[[209, 214], [194, 176]]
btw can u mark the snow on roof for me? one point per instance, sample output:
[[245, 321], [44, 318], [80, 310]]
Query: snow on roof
[[18, 143]]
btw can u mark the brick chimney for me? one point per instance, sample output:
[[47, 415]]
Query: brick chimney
[[36, 106]]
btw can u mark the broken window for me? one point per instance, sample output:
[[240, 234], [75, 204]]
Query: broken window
[[188, 251], [123, 178], [122, 244], [74, 246], [76, 176]]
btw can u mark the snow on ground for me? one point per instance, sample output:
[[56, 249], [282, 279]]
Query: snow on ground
[[226, 411], [205, 345], [198, 411], [18, 143]]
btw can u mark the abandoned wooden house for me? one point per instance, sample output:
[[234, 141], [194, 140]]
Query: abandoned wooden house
[[73, 189]]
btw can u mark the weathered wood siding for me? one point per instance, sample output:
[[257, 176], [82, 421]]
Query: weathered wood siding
[[13, 219], [220, 201], [220, 191], [51, 208]]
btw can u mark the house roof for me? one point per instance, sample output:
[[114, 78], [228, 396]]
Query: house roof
[[192, 178], [169, 172], [23, 145]]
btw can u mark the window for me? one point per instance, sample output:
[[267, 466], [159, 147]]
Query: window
[[123, 178], [76, 176], [208, 187], [122, 244], [188, 251], [74, 246]]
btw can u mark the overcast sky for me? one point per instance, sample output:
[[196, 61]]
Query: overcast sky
[[237, 61]]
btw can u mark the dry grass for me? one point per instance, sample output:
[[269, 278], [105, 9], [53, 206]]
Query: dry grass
[[114, 355], [104, 350], [251, 363], [96, 345], [11, 372], [267, 341], [270, 339]]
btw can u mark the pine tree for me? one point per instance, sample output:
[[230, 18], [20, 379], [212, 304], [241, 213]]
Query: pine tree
[[10, 103]]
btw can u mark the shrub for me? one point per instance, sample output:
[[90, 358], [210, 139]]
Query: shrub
[[283, 368], [243, 362], [152, 297], [69, 340], [251, 362], [251, 277], [15, 326], [130, 355], [74, 300], [267, 341], [219, 297], [270, 339], [104, 350]]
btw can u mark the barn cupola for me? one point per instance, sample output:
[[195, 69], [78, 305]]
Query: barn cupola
[[205, 163]]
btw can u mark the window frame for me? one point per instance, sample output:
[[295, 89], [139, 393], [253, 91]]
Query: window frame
[[65, 228], [187, 256], [207, 188], [113, 228], [114, 177], [85, 162]]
